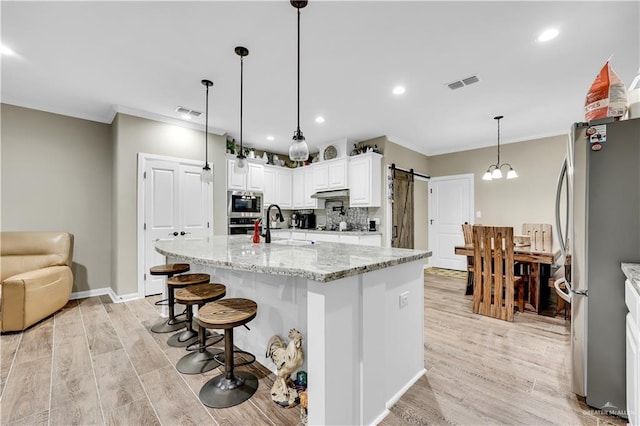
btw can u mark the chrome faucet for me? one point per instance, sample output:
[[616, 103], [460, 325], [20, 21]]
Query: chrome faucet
[[267, 235]]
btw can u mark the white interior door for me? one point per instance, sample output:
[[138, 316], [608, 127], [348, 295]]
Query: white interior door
[[176, 205], [450, 205]]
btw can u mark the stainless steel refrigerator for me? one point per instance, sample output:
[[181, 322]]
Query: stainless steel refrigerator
[[598, 216]]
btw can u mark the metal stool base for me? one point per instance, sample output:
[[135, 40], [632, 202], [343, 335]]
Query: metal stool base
[[183, 339], [168, 325], [221, 392], [198, 362]]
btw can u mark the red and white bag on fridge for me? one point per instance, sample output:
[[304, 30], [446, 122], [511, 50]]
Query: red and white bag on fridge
[[607, 96]]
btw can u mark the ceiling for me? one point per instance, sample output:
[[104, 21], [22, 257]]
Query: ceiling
[[91, 59]]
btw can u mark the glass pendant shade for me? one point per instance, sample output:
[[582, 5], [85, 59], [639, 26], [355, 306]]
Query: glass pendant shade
[[511, 174], [299, 150], [241, 165], [496, 174], [487, 175], [206, 175]]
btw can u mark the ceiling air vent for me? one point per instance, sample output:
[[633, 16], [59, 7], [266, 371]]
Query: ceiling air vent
[[464, 82], [188, 112]]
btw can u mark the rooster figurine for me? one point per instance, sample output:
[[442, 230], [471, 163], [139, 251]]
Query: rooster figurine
[[287, 360]]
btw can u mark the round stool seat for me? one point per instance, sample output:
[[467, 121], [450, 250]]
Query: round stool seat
[[229, 389], [170, 269], [184, 280], [227, 313], [200, 293], [201, 359], [196, 294]]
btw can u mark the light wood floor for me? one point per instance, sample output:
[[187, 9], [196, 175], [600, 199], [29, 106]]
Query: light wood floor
[[96, 362]]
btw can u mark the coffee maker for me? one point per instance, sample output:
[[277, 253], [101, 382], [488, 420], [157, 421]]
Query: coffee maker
[[307, 221]]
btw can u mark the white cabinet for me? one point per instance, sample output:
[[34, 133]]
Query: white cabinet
[[330, 174], [269, 195], [284, 182], [632, 299], [253, 181], [277, 187], [336, 237], [365, 180], [303, 188], [371, 240]]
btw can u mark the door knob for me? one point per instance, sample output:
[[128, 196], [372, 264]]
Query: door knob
[[182, 233], [175, 234]]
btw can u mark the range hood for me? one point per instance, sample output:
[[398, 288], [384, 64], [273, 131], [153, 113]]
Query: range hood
[[337, 194]]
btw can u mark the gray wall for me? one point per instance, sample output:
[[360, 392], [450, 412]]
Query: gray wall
[[528, 199], [133, 135], [56, 176]]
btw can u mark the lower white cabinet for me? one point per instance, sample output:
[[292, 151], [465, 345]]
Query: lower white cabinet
[[330, 237], [632, 299]]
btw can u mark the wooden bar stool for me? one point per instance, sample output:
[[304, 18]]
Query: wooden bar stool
[[202, 360], [168, 270], [174, 282], [230, 388]]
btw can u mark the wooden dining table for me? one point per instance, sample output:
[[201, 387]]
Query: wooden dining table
[[540, 271]]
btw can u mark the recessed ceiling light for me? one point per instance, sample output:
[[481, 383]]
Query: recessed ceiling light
[[549, 34], [319, 119], [6, 51], [270, 138], [398, 90]]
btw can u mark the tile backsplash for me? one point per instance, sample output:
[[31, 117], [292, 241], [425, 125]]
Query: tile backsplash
[[356, 217]]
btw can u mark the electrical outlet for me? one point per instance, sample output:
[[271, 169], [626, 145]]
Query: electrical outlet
[[478, 214], [403, 299]]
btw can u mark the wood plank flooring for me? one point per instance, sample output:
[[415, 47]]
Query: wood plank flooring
[[97, 363]]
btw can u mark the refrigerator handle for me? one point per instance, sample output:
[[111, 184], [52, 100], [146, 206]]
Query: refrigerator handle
[[561, 179]]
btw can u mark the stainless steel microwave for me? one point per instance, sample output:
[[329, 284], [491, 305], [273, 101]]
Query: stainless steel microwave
[[244, 204]]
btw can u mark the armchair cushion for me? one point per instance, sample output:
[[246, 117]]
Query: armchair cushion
[[36, 276]]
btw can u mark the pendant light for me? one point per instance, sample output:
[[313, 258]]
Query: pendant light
[[494, 172], [206, 175], [241, 166], [299, 150]]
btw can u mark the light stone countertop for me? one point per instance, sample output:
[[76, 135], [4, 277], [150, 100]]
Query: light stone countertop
[[318, 261], [632, 271]]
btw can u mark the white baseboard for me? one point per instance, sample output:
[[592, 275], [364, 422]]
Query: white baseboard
[[101, 291], [381, 417], [395, 398]]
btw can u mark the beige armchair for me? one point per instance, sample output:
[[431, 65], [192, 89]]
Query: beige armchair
[[35, 275]]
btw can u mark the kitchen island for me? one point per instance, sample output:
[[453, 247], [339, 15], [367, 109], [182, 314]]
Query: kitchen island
[[359, 308]]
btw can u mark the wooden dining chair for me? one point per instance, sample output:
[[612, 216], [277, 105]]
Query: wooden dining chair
[[541, 238], [467, 232], [495, 285], [540, 235]]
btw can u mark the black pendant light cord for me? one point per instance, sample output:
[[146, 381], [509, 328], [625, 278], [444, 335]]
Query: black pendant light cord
[[207, 84], [498, 118], [241, 92], [206, 132], [298, 70]]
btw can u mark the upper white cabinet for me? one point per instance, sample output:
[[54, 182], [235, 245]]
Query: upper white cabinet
[[303, 188], [365, 180], [253, 181], [330, 174], [278, 186]]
